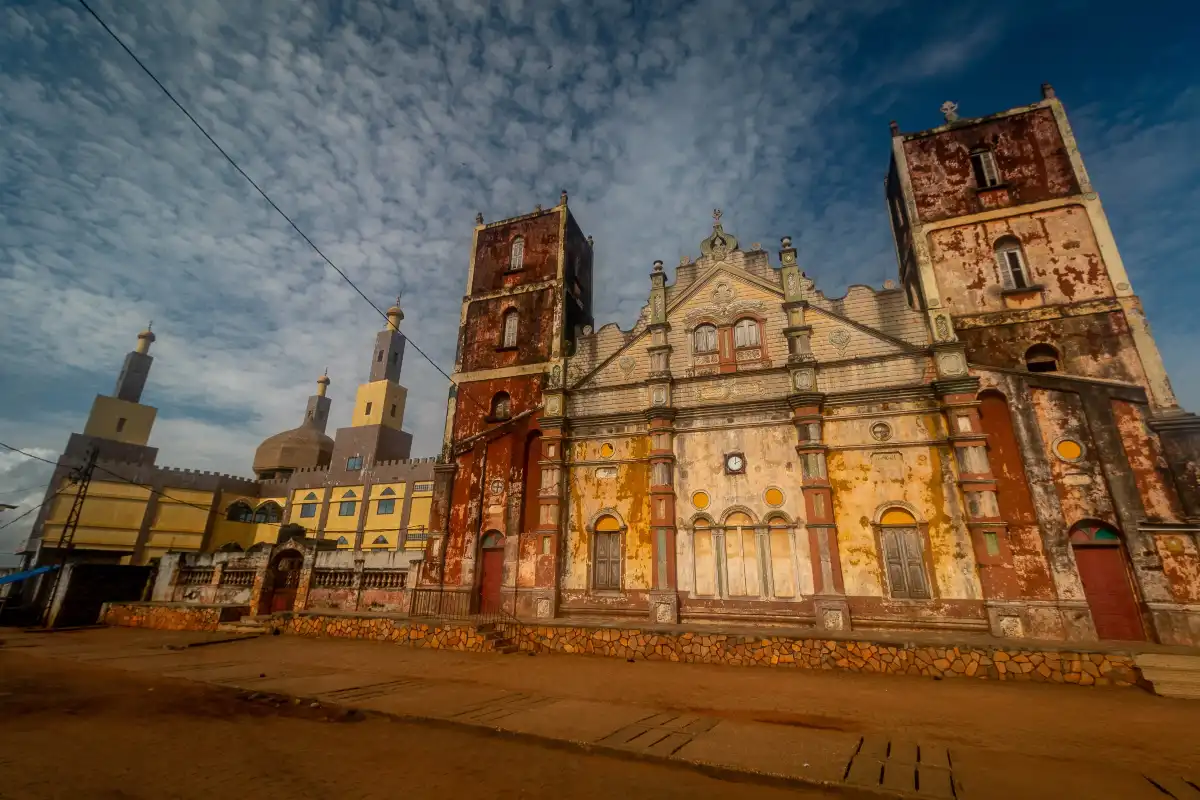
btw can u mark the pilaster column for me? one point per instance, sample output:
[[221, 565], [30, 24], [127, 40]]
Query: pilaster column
[[552, 488], [832, 611], [660, 427], [439, 520]]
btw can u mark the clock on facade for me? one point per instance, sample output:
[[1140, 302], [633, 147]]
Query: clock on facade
[[735, 464]]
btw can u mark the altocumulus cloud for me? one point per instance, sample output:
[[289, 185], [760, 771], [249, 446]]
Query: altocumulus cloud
[[382, 128]]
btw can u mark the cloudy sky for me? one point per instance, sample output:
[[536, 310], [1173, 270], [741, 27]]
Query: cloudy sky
[[384, 126]]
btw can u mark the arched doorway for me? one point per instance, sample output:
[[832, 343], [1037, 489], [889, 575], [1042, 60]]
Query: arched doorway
[[491, 571], [1104, 572], [280, 583]]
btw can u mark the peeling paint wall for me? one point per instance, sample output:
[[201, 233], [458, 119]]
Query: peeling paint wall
[[1150, 473], [1060, 255], [1080, 485], [1095, 346], [618, 484], [867, 476], [1030, 156]]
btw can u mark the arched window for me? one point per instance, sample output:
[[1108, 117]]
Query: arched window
[[1013, 272], [745, 333], [516, 258], [509, 336], [380, 540], [903, 554], [706, 561], [607, 569], [1041, 358], [343, 540], [704, 339], [268, 512], [501, 406], [239, 512], [742, 572], [492, 540], [780, 542]]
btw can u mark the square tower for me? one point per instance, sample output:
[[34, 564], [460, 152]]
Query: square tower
[[1003, 243]]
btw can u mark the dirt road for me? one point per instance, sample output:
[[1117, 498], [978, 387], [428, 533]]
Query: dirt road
[[70, 730]]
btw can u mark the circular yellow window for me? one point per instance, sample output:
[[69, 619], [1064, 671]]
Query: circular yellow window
[[700, 500], [773, 496], [1068, 449], [607, 450]]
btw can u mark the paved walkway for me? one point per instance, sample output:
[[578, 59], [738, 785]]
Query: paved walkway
[[895, 736]]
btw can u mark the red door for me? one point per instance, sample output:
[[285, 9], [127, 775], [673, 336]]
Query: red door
[[489, 582], [287, 581], [1109, 595]]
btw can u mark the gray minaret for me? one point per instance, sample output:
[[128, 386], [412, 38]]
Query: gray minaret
[[136, 369], [317, 413], [389, 348]]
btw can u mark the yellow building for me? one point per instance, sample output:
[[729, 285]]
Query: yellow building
[[358, 488]]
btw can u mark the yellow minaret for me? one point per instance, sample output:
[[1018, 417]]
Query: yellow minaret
[[380, 401], [121, 417]]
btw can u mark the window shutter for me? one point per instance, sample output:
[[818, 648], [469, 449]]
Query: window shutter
[[913, 563], [894, 561], [989, 169]]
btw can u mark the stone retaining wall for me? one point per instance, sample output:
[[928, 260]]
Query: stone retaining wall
[[169, 617], [1009, 663], [971, 661]]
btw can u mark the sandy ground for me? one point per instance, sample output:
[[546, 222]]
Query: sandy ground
[[81, 730], [1129, 727]]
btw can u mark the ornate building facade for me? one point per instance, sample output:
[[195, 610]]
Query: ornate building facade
[[992, 445]]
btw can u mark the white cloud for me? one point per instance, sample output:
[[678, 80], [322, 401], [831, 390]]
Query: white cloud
[[383, 129]]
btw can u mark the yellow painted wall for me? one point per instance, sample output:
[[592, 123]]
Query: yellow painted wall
[[628, 493], [299, 499], [872, 475], [108, 411], [336, 525], [381, 395], [386, 525], [110, 519]]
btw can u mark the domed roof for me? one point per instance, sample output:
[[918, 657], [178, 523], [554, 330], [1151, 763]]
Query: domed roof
[[300, 447]]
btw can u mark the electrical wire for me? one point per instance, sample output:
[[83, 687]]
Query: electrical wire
[[259, 189]]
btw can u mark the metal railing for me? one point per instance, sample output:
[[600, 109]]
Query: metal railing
[[458, 605]]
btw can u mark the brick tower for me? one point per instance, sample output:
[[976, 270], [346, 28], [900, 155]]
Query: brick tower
[[495, 527]]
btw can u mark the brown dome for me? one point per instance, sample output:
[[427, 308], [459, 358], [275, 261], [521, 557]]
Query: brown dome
[[300, 447]]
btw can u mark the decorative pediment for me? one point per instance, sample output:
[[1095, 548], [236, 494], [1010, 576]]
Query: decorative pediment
[[720, 244]]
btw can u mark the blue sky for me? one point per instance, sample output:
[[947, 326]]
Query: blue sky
[[383, 127]]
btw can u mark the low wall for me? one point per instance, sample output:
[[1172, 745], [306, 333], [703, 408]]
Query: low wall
[[985, 662], [170, 616]]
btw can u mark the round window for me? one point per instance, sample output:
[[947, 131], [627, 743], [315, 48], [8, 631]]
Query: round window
[[607, 450], [700, 500], [881, 431], [1068, 449], [773, 497]]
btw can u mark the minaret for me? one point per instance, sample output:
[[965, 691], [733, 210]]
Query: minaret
[[121, 417], [375, 432], [317, 413], [380, 401], [132, 379]]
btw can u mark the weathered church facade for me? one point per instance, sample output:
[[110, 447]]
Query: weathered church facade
[[989, 444]]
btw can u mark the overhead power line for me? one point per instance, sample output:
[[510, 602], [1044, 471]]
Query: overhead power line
[[258, 188]]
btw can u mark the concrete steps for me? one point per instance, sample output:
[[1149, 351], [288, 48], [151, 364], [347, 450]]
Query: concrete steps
[[498, 641], [245, 625], [1171, 675]]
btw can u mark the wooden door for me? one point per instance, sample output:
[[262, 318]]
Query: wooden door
[[489, 582], [608, 561], [1109, 593], [903, 555], [287, 581]]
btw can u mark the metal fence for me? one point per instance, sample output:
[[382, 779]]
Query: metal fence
[[458, 605]]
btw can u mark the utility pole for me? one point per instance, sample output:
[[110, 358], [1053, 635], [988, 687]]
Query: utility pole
[[81, 476]]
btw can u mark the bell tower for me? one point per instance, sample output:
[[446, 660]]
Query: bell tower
[[529, 293]]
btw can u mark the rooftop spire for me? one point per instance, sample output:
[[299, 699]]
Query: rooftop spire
[[395, 315]]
